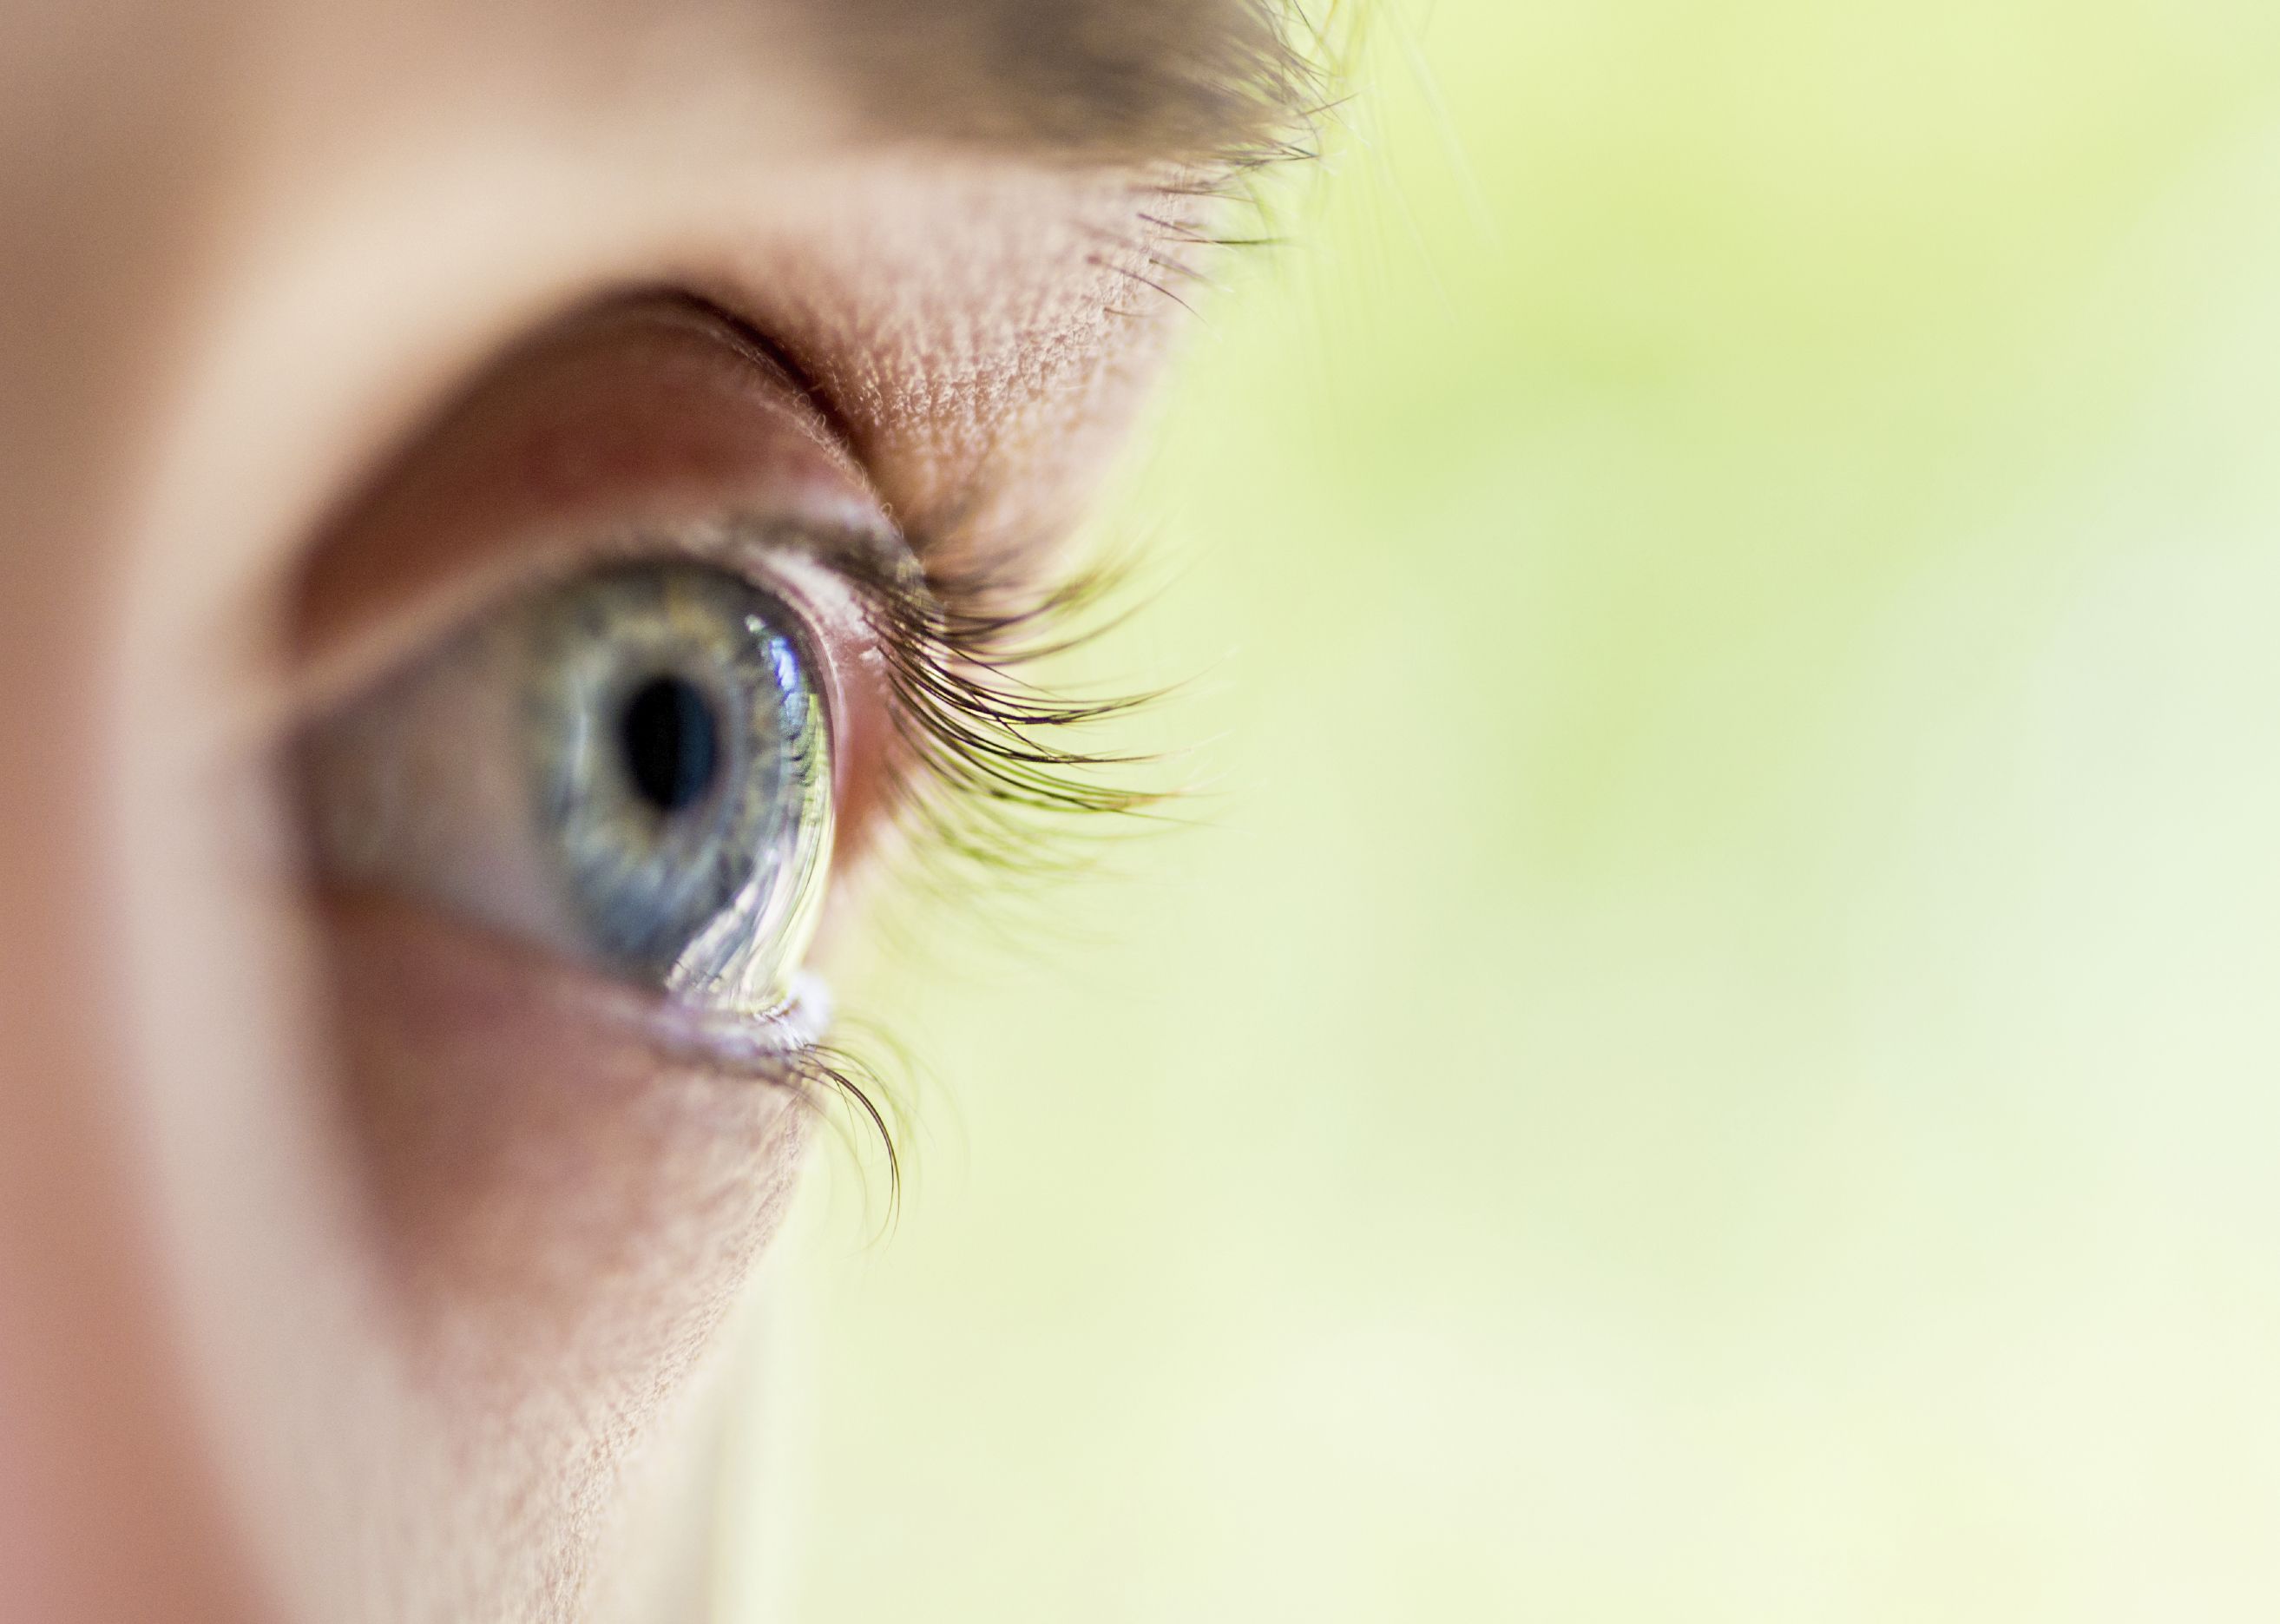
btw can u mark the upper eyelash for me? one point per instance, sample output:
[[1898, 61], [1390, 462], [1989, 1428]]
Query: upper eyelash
[[993, 775], [983, 784]]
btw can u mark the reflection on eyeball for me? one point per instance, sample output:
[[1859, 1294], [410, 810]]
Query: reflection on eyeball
[[631, 768]]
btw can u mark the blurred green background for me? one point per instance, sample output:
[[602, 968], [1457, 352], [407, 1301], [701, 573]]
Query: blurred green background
[[1715, 1057]]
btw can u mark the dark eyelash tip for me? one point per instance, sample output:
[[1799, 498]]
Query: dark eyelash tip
[[866, 1071]]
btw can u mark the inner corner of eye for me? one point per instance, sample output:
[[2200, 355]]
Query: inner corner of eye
[[631, 768]]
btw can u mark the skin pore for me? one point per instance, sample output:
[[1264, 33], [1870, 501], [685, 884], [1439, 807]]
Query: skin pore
[[355, 1263]]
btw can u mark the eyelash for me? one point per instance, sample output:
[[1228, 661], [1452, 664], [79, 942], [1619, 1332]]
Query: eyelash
[[984, 777], [990, 782]]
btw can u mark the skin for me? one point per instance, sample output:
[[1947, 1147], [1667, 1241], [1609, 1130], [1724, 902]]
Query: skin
[[354, 1263]]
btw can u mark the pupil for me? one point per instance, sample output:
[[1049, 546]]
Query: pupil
[[671, 741]]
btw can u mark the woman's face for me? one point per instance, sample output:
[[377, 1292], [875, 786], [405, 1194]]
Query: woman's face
[[512, 508]]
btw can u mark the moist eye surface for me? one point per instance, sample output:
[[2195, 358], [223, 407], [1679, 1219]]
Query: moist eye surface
[[674, 748], [633, 765]]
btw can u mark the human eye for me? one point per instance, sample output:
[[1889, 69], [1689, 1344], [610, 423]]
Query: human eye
[[608, 688]]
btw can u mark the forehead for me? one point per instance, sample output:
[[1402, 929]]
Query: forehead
[[1092, 80], [1184, 78]]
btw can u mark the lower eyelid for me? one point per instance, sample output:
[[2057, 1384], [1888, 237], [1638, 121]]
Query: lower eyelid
[[555, 1181], [434, 961]]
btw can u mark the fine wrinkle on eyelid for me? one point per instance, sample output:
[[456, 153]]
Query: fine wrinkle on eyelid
[[985, 365]]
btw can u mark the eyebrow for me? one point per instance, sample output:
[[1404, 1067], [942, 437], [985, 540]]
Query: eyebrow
[[1221, 82]]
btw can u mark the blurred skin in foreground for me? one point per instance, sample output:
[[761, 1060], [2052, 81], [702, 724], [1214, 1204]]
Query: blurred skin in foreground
[[357, 1261]]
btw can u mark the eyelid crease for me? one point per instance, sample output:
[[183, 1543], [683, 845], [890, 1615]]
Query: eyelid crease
[[982, 772]]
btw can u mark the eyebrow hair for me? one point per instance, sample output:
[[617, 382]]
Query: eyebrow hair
[[1199, 80]]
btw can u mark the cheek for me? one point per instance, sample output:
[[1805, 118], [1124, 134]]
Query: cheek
[[558, 1223], [558, 1208]]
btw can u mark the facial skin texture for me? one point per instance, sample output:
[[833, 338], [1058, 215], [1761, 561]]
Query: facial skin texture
[[353, 1265]]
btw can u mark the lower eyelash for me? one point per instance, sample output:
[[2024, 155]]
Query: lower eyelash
[[861, 1066]]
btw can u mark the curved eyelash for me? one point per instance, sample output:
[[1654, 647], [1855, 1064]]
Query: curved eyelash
[[994, 777], [993, 781]]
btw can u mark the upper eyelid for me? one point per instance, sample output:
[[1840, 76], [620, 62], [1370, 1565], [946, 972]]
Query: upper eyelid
[[515, 541], [749, 340]]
